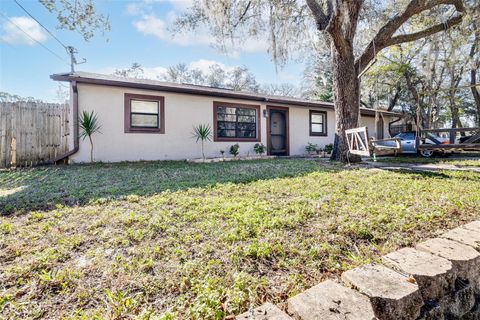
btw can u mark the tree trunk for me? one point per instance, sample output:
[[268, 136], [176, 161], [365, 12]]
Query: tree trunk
[[346, 97], [474, 51], [91, 148], [455, 115], [475, 93]]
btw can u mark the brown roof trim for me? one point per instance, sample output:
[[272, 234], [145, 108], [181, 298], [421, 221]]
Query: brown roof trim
[[144, 84]]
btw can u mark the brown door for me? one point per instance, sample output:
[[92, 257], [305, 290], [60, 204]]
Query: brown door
[[277, 131]]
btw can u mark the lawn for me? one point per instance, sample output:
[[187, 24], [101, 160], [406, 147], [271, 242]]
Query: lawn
[[466, 160], [168, 240]]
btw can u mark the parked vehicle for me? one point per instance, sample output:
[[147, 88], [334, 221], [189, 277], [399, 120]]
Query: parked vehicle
[[408, 143]]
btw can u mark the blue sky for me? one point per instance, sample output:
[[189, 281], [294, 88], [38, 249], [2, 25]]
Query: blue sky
[[139, 34]]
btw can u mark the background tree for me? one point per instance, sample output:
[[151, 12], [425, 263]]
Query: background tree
[[238, 78], [289, 24], [80, 16], [135, 71]]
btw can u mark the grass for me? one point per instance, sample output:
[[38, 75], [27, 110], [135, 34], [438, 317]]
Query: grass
[[205, 241], [468, 160]]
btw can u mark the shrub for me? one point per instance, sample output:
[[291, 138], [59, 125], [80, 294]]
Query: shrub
[[234, 150], [328, 148], [89, 125], [259, 148], [202, 132], [311, 148]]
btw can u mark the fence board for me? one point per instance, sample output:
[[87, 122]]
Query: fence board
[[39, 132]]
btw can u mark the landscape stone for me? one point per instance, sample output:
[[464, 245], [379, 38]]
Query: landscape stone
[[266, 311], [434, 275], [475, 226], [460, 302], [391, 294], [330, 301], [431, 311], [465, 236], [465, 259]]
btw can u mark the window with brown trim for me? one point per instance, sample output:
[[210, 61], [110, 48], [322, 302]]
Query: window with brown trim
[[236, 122], [144, 113], [318, 123]]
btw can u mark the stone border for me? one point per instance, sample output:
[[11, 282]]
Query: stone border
[[228, 158], [438, 279]]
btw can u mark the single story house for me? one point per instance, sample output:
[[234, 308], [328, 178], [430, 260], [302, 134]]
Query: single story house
[[153, 120]]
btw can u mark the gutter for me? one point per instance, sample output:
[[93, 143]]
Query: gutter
[[64, 157]]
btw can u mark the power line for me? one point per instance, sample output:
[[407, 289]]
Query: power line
[[45, 47], [50, 33], [70, 49]]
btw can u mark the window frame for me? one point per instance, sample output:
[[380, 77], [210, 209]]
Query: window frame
[[217, 104], [128, 113], [324, 132]]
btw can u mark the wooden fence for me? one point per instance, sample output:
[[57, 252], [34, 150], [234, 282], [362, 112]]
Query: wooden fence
[[32, 133]]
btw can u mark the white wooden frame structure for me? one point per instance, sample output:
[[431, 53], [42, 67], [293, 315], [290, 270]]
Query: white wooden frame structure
[[359, 143]]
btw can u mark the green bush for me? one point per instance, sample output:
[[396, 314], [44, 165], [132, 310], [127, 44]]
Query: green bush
[[328, 148], [311, 148], [259, 148], [234, 150]]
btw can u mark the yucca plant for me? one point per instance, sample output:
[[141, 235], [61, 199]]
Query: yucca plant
[[89, 125], [202, 132]]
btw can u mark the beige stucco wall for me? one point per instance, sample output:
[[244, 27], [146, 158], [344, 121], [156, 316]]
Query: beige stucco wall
[[182, 112], [369, 122]]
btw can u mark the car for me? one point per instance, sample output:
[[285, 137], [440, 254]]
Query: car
[[409, 146]]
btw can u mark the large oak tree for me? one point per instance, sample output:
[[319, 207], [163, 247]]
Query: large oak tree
[[288, 25]]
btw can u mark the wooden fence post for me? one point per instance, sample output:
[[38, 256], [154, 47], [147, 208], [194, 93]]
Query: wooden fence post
[[13, 156]]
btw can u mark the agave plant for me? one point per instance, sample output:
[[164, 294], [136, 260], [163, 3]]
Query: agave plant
[[203, 133], [89, 125]]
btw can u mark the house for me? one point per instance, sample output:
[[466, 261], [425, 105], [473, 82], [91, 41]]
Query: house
[[153, 120]]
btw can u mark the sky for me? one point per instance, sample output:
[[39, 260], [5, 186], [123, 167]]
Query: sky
[[140, 32]]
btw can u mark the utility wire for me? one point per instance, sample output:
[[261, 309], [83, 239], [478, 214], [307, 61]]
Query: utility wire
[[71, 50], [50, 33], [45, 47]]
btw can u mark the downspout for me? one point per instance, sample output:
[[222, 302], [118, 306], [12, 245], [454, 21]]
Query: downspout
[[64, 157]]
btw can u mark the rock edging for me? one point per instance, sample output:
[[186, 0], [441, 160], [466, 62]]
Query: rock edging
[[438, 279]]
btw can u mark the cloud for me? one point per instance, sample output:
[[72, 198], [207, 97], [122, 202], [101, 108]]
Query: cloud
[[13, 35], [151, 25], [205, 65], [142, 7], [154, 72], [134, 8]]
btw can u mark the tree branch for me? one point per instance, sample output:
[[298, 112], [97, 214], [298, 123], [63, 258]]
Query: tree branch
[[321, 18], [424, 33], [384, 37]]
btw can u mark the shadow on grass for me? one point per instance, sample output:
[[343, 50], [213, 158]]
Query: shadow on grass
[[45, 187], [437, 174]]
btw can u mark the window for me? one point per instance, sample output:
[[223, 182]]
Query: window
[[318, 123], [144, 114], [236, 122]]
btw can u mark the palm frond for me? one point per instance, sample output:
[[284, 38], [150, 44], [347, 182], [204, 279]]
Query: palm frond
[[89, 124], [202, 132]]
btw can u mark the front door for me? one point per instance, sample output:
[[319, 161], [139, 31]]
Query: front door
[[278, 131]]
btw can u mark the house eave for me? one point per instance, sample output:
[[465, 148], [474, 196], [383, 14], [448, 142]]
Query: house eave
[[202, 91]]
